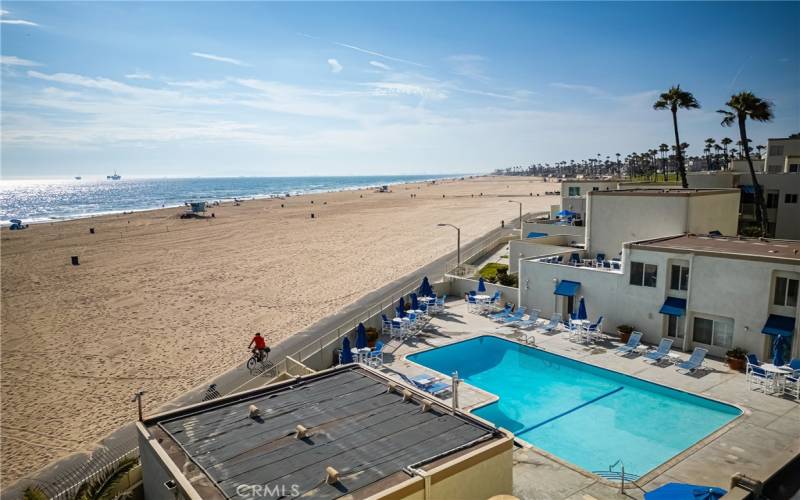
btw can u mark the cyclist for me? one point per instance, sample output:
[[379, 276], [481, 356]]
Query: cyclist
[[261, 346]]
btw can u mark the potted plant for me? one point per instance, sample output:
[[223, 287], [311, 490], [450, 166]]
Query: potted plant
[[624, 332], [736, 358], [372, 336]]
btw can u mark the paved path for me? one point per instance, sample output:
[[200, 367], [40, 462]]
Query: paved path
[[238, 377]]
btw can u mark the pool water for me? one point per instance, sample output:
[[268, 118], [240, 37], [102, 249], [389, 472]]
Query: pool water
[[583, 414]]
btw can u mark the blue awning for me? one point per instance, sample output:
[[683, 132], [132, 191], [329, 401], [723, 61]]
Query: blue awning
[[536, 235], [748, 189], [779, 325], [567, 288], [674, 306]]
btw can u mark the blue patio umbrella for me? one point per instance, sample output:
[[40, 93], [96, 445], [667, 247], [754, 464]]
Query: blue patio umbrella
[[425, 287], [361, 336], [481, 285], [401, 308], [582, 310], [566, 213], [347, 356], [682, 491], [414, 303], [777, 351]]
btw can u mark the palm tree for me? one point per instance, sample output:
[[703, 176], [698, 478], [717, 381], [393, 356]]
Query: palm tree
[[675, 99], [710, 143], [741, 106], [664, 149], [760, 148], [725, 142]]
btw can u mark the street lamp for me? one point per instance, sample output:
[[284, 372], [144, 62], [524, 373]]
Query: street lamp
[[458, 241], [520, 216]]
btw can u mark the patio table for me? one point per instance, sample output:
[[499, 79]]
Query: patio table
[[778, 374]]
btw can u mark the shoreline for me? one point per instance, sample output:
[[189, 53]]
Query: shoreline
[[295, 193]]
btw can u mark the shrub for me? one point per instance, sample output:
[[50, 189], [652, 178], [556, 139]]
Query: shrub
[[506, 279], [490, 271], [737, 353], [625, 329]]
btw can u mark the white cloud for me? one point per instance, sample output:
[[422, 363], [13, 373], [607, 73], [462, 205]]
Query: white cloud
[[17, 61], [18, 21], [380, 65], [198, 84], [335, 66], [138, 76], [396, 88], [589, 89], [468, 65], [213, 57], [378, 54]]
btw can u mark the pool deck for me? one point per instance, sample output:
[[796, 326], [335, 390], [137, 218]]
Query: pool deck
[[766, 434]]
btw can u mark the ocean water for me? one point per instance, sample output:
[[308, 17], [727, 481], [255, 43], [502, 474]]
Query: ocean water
[[584, 414], [45, 200]]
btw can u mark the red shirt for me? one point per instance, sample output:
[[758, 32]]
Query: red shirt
[[259, 341]]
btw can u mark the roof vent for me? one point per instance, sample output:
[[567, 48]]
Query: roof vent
[[253, 411], [426, 405], [392, 387], [302, 432], [407, 395], [332, 475]]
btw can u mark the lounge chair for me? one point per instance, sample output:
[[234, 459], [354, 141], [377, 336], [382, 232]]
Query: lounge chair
[[631, 346], [659, 354], [695, 361], [506, 312], [533, 317], [515, 316], [555, 320], [433, 387]]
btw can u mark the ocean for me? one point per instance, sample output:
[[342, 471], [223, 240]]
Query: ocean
[[50, 200]]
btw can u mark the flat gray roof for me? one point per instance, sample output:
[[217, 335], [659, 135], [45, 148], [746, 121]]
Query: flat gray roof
[[727, 245], [356, 425], [664, 191]]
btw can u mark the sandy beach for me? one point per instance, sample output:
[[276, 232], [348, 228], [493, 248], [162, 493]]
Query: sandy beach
[[163, 304]]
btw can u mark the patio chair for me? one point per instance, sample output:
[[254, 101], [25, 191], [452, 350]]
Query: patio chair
[[755, 375], [555, 320], [386, 325], [398, 330], [574, 258], [601, 257], [533, 317], [472, 304], [434, 388], [631, 346], [695, 361], [375, 357], [659, 354], [515, 316], [792, 384]]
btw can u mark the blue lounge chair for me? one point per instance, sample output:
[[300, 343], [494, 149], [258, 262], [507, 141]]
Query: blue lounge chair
[[434, 387], [695, 361], [502, 314], [515, 316], [663, 349], [631, 346], [555, 320]]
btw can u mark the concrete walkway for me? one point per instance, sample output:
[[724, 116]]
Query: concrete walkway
[[768, 431]]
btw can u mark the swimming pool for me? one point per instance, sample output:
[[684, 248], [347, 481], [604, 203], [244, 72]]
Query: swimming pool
[[586, 415]]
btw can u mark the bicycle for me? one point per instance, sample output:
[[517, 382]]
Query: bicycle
[[259, 363]]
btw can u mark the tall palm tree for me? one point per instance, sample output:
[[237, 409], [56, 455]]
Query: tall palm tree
[[710, 143], [742, 106], [675, 99], [760, 148], [664, 149], [726, 141]]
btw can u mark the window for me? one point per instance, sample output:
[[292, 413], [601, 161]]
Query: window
[[790, 198], [674, 329], [794, 168], [595, 188], [785, 292], [574, 191], [772, 199], [776, 150], [713, 332], [643, 274], [680, 278], [774, 169]]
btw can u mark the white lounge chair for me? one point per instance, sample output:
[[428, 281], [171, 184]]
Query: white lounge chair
[[555, 320], [695, 361], [631, 346], [533, 317], [663, 349]]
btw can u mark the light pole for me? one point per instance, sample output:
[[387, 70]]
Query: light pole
[[458, 242], [137, 396], [520, 216]]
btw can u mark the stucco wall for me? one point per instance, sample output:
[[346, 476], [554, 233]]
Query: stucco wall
[[552, 229], [535, 247], [487, 477], [718, 212], [714, 180], [787, 216]]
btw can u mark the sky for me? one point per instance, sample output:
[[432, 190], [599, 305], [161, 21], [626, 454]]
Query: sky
[[233, 89]]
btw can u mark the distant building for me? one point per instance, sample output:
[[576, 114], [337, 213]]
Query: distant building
[[344, 432], [779, 176]]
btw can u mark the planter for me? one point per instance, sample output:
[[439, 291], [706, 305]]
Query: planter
[[737, 364], [624, 336]]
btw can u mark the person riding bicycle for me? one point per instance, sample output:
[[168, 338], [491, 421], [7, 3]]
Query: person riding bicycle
[[261, 346]]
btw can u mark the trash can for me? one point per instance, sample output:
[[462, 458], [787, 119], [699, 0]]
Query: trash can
[[75, 260]]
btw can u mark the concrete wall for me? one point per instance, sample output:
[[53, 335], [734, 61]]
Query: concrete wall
[[787, 216], [619, 217], [714, 180], [536, 247], [458, 287], [576, 232]]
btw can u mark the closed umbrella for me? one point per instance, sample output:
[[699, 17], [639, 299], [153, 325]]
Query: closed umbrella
[[361, 336], [414, 303], [481, 285], [582, 310], [347, 356], [681, 491], [401, 308], [777, 351], [425, 287]]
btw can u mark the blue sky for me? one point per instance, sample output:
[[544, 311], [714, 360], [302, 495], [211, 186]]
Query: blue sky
[[185, 88]]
